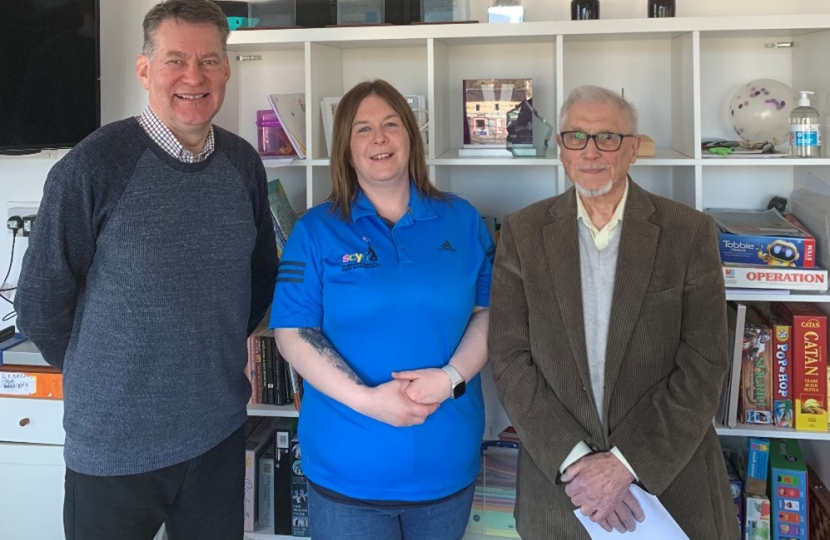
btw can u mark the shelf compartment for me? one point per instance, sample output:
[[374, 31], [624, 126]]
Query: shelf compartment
[[751, 430], [262, 535], [666, 157], [451, 62], [497, 191], [764, 162], [794, 296], [451, 158], [261, 409], [279, 163], [750, 188], [666, 106]]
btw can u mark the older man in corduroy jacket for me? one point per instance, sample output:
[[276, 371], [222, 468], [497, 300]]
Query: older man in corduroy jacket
[[608, 342]]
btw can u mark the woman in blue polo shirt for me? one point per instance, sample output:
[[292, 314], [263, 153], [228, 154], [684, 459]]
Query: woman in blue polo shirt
[[381, 306]]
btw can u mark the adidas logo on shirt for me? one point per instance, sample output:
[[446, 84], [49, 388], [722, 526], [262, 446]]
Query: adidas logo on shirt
[[446, 246]]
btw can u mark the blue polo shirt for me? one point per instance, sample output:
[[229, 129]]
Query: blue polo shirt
[[388, 300]]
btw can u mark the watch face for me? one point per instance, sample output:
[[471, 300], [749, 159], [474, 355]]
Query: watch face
[[459, 389]]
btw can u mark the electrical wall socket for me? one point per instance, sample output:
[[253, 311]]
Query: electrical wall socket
[[22, 209]]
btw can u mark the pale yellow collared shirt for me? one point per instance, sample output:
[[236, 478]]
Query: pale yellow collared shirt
[[602, 237]]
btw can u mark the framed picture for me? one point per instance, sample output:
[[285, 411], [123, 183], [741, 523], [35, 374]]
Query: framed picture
[[328, 107], [486, 103]]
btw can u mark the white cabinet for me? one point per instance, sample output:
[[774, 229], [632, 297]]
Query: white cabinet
[[31, 499], [31, 469]]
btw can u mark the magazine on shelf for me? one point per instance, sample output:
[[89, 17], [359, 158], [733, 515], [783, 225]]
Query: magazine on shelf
[[328, 106], [756, 222], [290, 110]]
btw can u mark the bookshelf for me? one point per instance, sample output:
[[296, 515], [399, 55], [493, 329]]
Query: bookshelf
[[679, 72], [266, 536], [755, 430], [262, 535], [261, 409]]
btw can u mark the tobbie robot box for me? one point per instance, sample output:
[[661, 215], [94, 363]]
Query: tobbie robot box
[[763, 238]]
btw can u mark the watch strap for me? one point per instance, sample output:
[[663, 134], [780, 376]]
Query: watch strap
[[455, 377]]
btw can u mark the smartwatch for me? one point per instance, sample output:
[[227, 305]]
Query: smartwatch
[[457, 381]]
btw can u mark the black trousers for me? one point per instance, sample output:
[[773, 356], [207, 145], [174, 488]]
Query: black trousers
[[200, 499]]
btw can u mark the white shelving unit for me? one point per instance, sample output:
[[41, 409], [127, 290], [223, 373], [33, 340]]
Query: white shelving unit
[[680, 73]]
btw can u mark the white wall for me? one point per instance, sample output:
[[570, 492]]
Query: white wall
[[21, 178]]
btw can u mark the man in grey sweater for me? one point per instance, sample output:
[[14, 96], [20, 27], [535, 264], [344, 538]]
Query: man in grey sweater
[[152, 259], [608, 342]]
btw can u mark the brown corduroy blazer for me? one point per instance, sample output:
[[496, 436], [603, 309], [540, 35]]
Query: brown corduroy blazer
[[665, 362]]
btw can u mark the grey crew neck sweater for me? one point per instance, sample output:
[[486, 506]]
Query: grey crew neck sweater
[[143, 278]]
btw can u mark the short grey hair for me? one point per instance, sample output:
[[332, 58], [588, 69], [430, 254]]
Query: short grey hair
[[189, 11], [597, 94]]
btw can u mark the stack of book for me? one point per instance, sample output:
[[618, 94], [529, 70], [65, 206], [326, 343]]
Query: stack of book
[[273, 380], [271, 465], [495, 491], [766, 250]]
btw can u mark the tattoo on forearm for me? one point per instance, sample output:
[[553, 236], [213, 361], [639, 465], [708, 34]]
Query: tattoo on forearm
[[321, 344]]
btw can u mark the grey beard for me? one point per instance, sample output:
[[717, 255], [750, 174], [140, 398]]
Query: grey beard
[[595, 192]]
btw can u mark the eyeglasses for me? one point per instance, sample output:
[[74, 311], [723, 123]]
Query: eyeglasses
[[604, 141]]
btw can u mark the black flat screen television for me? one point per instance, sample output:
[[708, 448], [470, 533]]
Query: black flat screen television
[[49, 73]]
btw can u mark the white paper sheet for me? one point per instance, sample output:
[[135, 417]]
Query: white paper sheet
[[658, 523]]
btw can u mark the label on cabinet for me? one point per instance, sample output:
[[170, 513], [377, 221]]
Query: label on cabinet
[[33, 382], [17, 384]]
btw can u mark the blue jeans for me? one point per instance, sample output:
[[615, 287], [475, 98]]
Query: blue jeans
[[332, 520]]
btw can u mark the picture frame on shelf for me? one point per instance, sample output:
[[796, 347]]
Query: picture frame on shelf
[[328, 106], [486, 103]]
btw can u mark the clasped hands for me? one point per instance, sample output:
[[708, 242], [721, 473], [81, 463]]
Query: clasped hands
[[599, 485], [410, 397]]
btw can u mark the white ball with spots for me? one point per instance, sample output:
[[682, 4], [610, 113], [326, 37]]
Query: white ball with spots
[[759, 111]]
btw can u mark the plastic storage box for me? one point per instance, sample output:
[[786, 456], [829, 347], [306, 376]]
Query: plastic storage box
[[445, 10], [269, 13], [271, 138], [360, 12]]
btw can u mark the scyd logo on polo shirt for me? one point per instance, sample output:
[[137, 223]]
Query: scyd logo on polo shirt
[[369, 259]]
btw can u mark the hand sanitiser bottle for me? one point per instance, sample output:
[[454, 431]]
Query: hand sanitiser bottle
[[805, 129]]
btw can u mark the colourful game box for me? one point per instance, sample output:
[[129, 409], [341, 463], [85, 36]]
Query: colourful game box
[[788, 473], [782, 373], [757, 466], [809, 361], [757, 526], [763, 237], [755, 404]]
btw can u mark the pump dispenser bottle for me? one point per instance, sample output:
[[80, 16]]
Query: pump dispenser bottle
[[805, 129]]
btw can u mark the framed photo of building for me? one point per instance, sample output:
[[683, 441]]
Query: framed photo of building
[[486, 104]]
